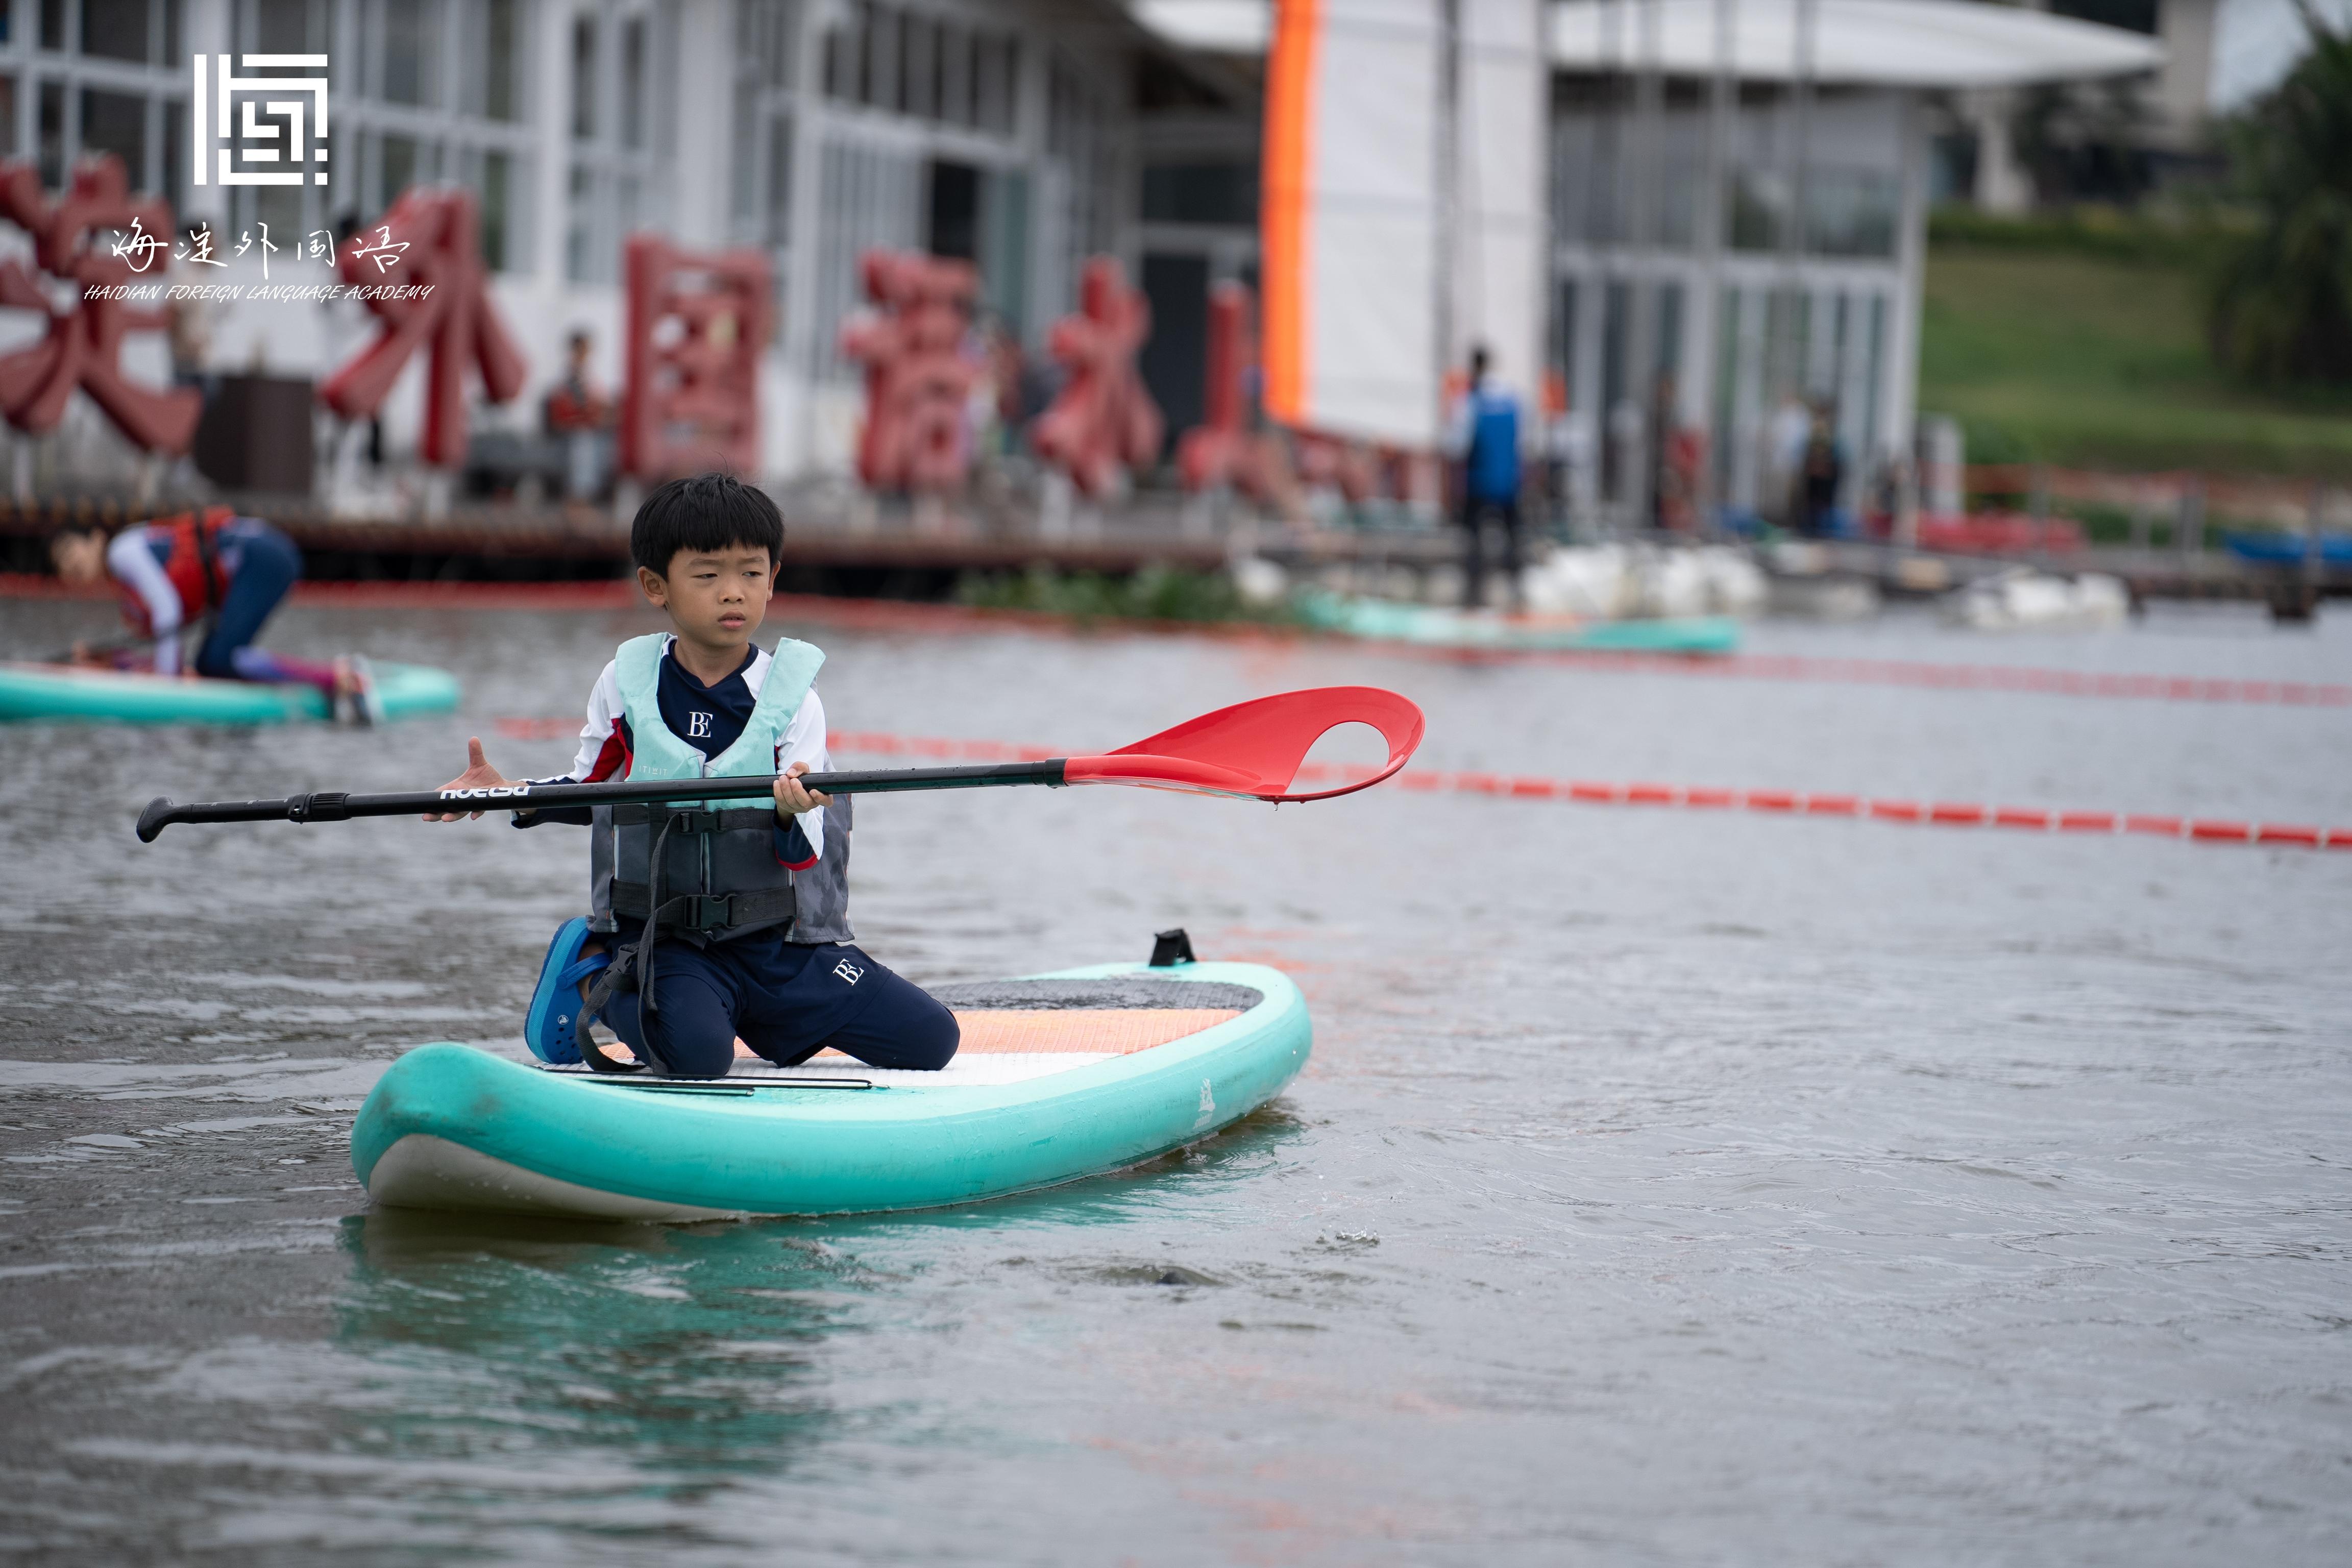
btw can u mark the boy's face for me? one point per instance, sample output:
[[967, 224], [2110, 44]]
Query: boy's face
[[716, 598]]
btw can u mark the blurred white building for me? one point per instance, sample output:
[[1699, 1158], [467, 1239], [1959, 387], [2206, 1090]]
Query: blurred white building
[[999, 131], [1025, 134]]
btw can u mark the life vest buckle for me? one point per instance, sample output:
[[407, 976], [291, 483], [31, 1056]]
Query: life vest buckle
[[707, 911], [698, 821]]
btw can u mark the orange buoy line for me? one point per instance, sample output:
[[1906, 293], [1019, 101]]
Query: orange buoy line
[[1791, 802], [1921, 676], [1588, 792], [1942, 814]]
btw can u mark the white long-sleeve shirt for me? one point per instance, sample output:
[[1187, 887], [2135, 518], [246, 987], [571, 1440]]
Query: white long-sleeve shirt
[[131, 560]]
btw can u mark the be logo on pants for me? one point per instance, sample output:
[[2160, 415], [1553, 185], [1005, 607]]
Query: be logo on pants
[[849, 971]]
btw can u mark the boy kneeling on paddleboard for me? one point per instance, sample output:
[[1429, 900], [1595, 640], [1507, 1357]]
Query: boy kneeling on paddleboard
[[711, 924]]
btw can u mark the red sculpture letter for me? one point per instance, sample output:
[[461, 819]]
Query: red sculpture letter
[[84, 346], [430, 242], [697, 325], [1219, 451], [1103, 419], [917, 376]]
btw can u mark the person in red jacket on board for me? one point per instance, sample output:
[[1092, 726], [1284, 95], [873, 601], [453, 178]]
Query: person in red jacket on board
[[219, 576]]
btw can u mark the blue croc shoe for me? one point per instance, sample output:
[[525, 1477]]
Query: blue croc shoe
[[551, 1026]]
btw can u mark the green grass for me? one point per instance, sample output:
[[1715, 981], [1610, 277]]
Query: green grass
[[2108, 233], [2054, 349], [1155, 594]]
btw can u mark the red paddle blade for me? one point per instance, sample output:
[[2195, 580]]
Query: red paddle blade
[[1255, 748]]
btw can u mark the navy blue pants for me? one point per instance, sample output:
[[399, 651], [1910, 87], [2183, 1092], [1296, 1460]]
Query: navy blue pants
[[1474, 512], [787, 1002], [266, 564]]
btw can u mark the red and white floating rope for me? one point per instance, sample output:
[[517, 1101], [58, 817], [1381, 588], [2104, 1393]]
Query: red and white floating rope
[[1788, 802], [1941, 814]]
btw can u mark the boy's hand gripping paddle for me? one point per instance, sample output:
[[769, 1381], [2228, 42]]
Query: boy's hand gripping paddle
[[1252, 750]]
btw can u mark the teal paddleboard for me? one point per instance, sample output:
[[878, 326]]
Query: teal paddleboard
[[61, 694], [1059, 1076], [1436, 625]]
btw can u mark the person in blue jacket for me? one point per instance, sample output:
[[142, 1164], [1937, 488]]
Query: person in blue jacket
[[1484, 437]]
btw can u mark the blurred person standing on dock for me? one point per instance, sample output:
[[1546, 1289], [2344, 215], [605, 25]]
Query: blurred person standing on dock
[[1567, 449], [1484, 437], [1784, 436], [1820, 474], [1678, 454], [579, 414]]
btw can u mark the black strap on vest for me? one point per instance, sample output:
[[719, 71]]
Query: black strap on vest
[[735, 821], [636, 960], [705, 911], [200, 619], [600, 991], [633, 966], [207, 556]]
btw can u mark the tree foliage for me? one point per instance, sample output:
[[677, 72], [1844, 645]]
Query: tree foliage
[[2083, 141], [2280, 308]]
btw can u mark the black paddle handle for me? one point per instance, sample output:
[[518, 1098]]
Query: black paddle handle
[[111, 646], [335, 805]]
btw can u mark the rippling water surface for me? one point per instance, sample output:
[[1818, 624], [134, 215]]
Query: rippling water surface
[[1667, 1186]]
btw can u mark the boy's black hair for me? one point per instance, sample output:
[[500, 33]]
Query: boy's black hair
[[708, 511]]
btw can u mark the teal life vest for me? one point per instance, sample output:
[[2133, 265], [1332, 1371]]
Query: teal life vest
[[717, 874]]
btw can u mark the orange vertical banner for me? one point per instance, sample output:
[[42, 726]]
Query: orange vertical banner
[[1284, 184]]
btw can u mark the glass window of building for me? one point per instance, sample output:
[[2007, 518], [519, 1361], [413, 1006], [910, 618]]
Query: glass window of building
[[621, 58]]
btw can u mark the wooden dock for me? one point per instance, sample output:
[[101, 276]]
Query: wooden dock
[[2291, 592]]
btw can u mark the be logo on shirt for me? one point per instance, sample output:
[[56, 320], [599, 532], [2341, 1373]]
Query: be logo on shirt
[[698, 726]]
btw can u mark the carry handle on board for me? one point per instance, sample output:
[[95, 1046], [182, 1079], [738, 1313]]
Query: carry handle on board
[[1252, 750]]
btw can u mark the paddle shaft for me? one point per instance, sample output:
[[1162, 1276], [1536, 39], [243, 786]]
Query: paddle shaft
[[335, 805], [76, 654]]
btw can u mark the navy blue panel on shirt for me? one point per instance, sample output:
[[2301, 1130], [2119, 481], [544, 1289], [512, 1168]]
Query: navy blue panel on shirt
[[709, 717]]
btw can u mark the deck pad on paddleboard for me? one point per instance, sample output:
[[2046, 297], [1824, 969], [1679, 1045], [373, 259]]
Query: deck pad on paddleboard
[[1054, 1025]]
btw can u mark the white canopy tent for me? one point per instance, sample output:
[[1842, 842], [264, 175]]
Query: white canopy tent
[[1891, 43], [1881, 42]]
